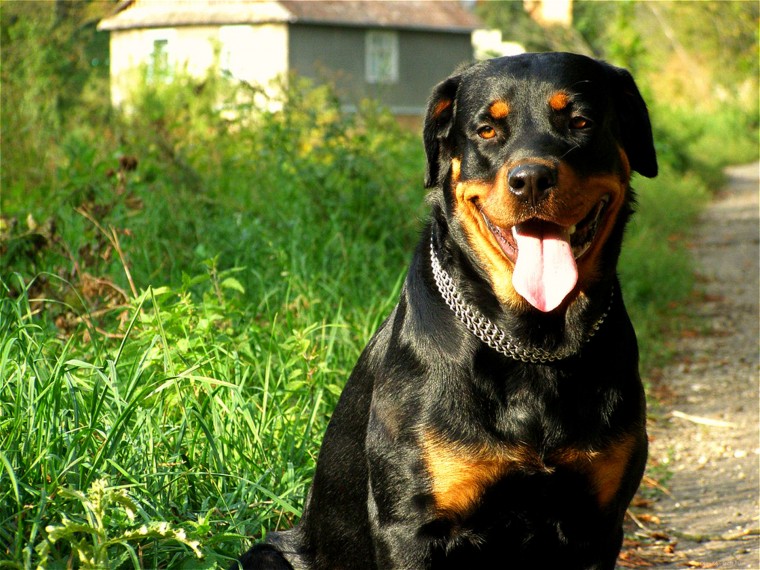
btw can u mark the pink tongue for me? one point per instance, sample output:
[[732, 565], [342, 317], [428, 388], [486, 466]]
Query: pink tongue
[[545, 270]]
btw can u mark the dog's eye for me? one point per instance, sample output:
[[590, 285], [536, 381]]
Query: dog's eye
[[486, 132], [579, 122]]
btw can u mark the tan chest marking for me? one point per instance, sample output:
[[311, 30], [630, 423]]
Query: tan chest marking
[[459, 474], [605, 468]]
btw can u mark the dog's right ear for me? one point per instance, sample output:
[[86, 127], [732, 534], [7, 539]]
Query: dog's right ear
[[438, 120]]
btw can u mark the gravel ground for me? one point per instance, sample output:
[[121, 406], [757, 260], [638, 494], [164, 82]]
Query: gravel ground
[[706, 432]]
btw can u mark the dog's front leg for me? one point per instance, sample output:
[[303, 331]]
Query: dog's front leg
[[398, 504]]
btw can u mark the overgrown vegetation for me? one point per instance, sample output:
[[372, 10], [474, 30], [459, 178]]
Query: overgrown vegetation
[[179, 321], [184, 290]]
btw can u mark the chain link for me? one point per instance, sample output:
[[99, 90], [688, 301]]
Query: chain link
[[483, 328]]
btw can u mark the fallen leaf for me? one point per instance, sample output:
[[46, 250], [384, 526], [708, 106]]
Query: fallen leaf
[[654, 519]]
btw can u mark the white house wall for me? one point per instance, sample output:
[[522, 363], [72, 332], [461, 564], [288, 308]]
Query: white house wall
[[256, 54]]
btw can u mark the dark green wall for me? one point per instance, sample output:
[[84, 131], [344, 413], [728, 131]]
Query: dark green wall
[[336, 54]]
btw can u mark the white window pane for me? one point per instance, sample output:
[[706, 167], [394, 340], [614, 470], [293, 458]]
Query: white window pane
[[381, 57]]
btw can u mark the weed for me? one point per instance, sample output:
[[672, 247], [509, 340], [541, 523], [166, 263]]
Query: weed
[[90, 538]]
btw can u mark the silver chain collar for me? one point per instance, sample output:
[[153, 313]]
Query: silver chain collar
[[483, 328]]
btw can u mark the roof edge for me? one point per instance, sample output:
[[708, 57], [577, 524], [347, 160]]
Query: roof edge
[[130, 14]]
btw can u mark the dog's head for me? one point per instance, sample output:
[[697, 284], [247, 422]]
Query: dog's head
[[533, 155]]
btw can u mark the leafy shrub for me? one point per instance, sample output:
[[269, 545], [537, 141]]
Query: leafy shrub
[[656, 269], [205, 399], [704, 143]]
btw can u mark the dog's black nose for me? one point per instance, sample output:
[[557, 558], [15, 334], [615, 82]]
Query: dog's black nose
[[532, 182]]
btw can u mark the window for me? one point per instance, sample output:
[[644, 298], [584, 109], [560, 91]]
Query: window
[[160, 58], [381, 56]]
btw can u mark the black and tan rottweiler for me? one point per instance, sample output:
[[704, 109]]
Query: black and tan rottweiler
[[496, 418]]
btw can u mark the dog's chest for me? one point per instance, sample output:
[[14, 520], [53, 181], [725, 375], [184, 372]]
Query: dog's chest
[[460, 476]]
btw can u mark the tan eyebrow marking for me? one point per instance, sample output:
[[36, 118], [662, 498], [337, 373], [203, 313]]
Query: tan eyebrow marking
[[559, 100], [499, 109]]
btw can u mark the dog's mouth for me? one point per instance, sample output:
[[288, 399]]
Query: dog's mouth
[[580, 236], [544, 254]]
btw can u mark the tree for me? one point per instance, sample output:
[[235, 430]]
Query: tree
[[54, 73]]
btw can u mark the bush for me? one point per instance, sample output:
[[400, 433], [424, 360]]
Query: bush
[[656, 268], [196, 406], [705, 143]]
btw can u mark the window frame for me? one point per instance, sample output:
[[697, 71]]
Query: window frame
[[381, 49]]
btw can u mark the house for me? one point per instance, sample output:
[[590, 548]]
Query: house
[[393, 51]]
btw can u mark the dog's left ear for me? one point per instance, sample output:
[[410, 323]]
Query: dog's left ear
[[633, 117], [438, 121]]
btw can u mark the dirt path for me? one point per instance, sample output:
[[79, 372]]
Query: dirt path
[[707, 428]]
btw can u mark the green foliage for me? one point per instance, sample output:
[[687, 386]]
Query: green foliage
[[721, 35], [199, 408], [204, 399], [688, 55], [704, 143], [609, 30], [656, 269], [54, 74], [90, 538], [184, 290]]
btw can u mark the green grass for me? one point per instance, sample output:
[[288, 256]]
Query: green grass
[[656, 268], [174, 338], [199, 414], [199, 401]]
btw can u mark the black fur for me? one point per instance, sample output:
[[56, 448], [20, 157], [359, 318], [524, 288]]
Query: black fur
[[381, 489]]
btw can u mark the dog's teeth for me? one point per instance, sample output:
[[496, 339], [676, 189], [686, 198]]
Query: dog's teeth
[[572, 230]]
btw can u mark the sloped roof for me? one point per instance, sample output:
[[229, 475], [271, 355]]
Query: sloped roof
[[438, 15], [443, 15], [132, 14]]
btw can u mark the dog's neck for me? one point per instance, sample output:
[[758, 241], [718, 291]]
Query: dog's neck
[[490, 333]]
